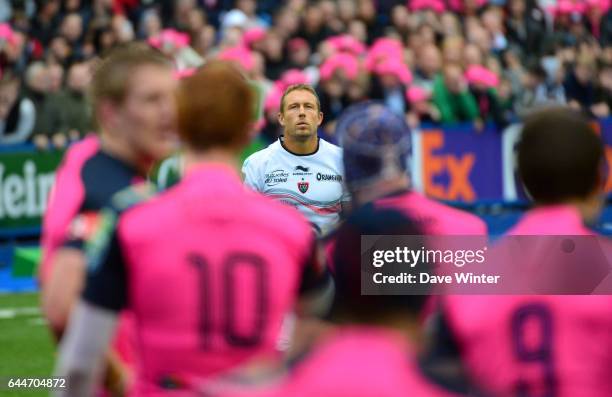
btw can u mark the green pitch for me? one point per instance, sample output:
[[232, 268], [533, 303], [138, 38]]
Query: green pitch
[[26, 347]]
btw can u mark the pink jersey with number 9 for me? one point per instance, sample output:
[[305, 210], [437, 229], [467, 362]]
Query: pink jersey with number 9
[[523, 346]]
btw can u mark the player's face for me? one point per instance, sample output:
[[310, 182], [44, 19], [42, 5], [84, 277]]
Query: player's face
[[300, 116], [148, 112]]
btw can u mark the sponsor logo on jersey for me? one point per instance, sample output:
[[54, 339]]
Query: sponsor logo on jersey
[[97, 244], [275, 177], [303, 187], [84, 226], [300, 170], [329, 177]]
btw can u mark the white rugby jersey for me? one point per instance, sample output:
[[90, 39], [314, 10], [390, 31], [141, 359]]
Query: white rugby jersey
[[313, 183]]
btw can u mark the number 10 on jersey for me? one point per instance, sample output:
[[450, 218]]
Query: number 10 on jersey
[[219, 290]]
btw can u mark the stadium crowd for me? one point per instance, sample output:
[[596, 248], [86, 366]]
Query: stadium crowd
[[432, 61]]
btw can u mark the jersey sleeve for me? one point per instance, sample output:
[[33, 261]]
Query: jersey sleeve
[[251, 173], [82, 229], [106, 284]]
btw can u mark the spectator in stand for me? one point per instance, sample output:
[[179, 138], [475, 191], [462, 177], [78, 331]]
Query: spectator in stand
[[336, 74], [400, 20], [389, 83], [276, 63], [182, 12], [175, 45], [17, 113], [204, 42], [482, 85], [332, 95], [150, 24], [429, 65], [60, 51], [249, 8], [46, 21], [286, 21], [533, 89], [14, 54], [122, 28], [506, 99], [493, 22], [453, 49], [513, 70], [72, 30], [36, 88], [313, 29], [606, 29], [66, 116], [580, 84], [452, 97], [525, 27], [603, 92], [421, 109], [472, 55], [272, 129], [594, 13], [366, 12], [55, 74], [358, 88], [299, 53]]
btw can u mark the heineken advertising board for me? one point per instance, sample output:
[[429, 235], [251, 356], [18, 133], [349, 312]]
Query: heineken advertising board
[[26, 179]]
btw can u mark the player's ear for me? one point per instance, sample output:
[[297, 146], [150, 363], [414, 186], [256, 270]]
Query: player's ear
[[320, 119], [107, 111], [281, 119]]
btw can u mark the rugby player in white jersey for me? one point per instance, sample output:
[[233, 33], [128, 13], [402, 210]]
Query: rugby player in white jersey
[[301, 169]]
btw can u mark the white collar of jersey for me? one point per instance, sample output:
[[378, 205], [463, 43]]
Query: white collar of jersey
[[280, 140]]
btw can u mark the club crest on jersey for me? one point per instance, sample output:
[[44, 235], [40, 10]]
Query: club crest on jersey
[[303, 187]]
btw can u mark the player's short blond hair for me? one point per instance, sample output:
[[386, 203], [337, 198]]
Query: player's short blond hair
[[112, 75], [299, 87]]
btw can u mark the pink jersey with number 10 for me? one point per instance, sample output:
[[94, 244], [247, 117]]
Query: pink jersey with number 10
[[209, 271]]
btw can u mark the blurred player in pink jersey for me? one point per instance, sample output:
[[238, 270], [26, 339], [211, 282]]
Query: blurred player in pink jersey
[[377, 146], [376, 150], [208, 268], [553, 346], [373, 351], [133, 102]]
